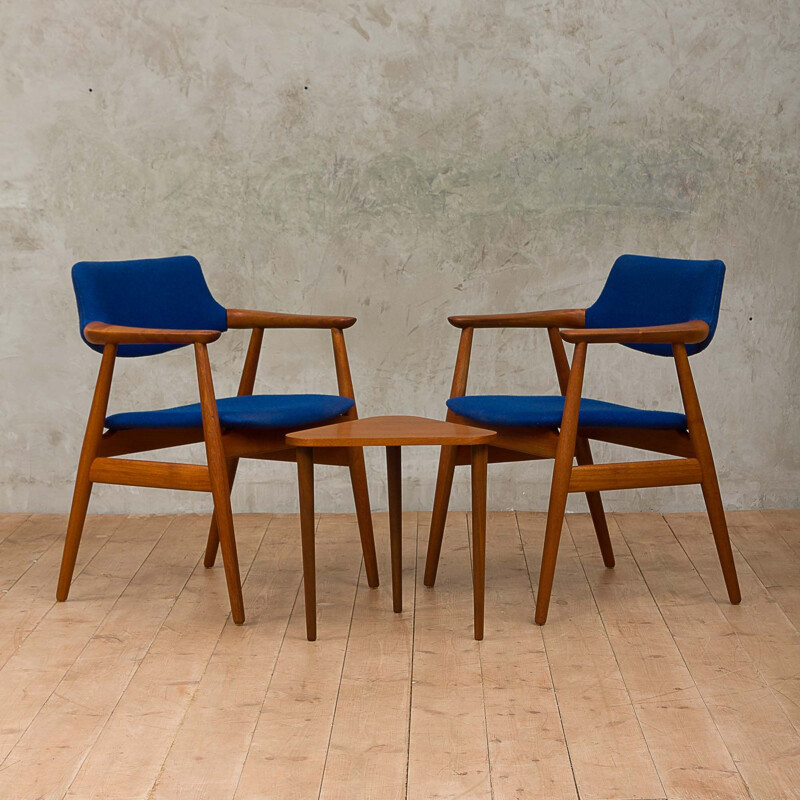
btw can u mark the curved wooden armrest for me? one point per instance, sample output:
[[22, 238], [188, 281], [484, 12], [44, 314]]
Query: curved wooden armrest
[[242, 318], [100, 333], [574, 317], [685, 332]]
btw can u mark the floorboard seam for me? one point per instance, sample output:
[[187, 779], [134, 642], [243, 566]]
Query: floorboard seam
[[205, 668], [341, 676], [271, 676], [547, 660], [680, 653], [616, 661], [88, 641], [411, 665]]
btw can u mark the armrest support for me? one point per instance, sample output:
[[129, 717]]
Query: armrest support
[[242, 318], [100, 333], [573, 317], [686, 332]]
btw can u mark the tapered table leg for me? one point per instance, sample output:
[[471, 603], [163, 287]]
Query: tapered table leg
[[393, 470], [480, 459], [305, 475]]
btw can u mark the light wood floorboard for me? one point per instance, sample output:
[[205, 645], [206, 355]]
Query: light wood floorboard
[[645, 682], [764, 744], [449, 752]]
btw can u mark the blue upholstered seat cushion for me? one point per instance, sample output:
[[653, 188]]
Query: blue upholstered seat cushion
[[545, 412], [250, 411]]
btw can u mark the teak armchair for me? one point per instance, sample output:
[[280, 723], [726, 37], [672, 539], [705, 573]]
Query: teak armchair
[[664, 307], [141, 308]]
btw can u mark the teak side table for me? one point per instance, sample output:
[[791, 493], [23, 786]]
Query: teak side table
[[392, 433]]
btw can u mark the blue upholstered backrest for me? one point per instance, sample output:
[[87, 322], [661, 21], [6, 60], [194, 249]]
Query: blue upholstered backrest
[[150, 293], [642, 290]]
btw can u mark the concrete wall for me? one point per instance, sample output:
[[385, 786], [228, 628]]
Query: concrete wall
[[400, 162]]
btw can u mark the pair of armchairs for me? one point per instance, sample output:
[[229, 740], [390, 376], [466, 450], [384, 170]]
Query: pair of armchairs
[[129, 309]]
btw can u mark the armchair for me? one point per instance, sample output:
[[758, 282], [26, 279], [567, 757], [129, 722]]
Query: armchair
[[141, 308], [663, 307]]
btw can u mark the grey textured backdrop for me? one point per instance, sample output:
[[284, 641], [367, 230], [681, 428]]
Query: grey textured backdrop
[[400, 162]]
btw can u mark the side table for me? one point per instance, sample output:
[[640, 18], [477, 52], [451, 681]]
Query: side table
[[392, 433]]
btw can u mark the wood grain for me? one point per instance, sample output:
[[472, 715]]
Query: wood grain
[[29, 600], [368, 750], [772, 559], [527, 747], [226, 705], [762, 741], [43, 762], [390, 431], [153, 474], [63, 634], [689, 754], [142, 687], [608, 751], [9, 523], [157, 696], [448, 755], [288, 750], [765, 632]]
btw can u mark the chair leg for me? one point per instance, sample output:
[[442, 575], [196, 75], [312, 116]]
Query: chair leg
[[305, 483], [480, 460], [220, 489], [719, 528], [559, 488], [358, 479], [227, 541], [395, 492], [77, 518], [710, 484], [552, 537], [441, 500], [212, 544], [83, 486], [583, 455]]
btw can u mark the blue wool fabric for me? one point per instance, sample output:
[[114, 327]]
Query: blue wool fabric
[[546, 412], [149, 293], [643, 290], [249, 411]]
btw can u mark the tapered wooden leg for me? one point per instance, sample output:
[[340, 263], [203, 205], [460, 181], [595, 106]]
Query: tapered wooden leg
[[552, 536], [562, 470], [394, 480], [220, 489], [710, 484], [441, 500], [77, 518], [212, 544], [305, 482], [583, 452], [227, 540], [358, 479], [583, 455], [246, 384], [83, 486], [480, 460], [719, 527]]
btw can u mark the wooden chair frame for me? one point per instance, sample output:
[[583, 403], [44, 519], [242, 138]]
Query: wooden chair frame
[[694, 462], [100, 460]]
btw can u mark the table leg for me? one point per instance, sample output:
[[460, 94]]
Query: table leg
[[393, 471], [480, 460], [305, 480]]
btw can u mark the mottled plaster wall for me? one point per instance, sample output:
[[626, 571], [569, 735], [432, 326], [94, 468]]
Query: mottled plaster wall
[[400, 162]]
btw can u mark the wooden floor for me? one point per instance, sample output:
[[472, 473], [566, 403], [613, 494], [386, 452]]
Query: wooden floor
[[645, 682]]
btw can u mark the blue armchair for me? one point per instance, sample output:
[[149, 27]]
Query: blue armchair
[[133, 309], [663, 307]]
